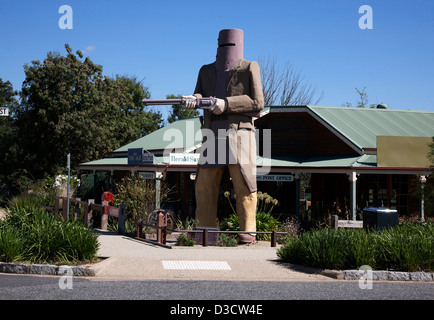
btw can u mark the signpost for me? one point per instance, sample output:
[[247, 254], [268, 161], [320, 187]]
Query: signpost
[[68, 165]]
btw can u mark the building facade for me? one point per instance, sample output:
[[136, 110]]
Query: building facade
[[315, 161]]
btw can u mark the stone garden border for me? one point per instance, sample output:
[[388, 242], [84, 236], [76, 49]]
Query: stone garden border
[[380, 275], [44, 269]]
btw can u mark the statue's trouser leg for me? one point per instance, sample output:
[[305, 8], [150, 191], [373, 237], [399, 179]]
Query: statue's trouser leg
[[246, 200], [207, 191]]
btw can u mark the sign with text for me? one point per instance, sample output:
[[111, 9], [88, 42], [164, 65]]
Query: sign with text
[[138, 156], [184, 158], [275, 178], [4, 111], [147, 175]]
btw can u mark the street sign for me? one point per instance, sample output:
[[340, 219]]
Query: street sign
[[137, 156], [4, 111], [147, 175]]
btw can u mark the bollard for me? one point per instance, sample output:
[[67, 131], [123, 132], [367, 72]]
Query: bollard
[[161, 224], [205, 237], [334, 224], [121, 220], [163, 235], [274, 238], [139, 230], [90, 212], [56, 206], [65, 205]]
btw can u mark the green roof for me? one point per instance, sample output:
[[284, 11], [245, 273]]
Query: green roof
[[361, 126], [320, 162], [155, 140]]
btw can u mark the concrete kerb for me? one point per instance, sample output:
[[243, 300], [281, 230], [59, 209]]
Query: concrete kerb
[[388, 275], [45, 269], [380, 275]]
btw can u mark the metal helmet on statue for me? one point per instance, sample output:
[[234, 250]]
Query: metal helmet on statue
[[230, 48]]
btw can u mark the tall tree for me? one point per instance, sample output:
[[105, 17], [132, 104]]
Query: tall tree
[[179, 112], [68, 106], [285, 86], [146, 120], [8, 148]]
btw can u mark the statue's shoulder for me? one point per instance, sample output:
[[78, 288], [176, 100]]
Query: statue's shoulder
[[208, 67], [243, 64]]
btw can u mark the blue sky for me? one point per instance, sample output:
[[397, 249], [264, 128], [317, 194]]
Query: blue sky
[[166, 42]]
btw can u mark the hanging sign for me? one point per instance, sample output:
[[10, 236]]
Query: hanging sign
[[275, 178], [138, 156], [184, 158]]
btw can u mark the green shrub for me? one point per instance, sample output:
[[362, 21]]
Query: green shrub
[[264, 222], [264, 219], [225, 240], [42, 237], [11, 245], [407, 247], [83, 242], [361, 248], [185, 240]]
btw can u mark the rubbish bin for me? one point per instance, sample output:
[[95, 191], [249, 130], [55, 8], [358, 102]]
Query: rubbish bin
[[379, 218]]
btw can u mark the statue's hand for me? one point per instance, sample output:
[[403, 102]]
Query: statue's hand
[[190, 102], [219, 107]]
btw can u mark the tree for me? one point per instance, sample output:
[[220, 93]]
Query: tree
[[68, 106], [287, 86], [146, 121], [179, 112], [8, 146], [429, 184], [363, 100]]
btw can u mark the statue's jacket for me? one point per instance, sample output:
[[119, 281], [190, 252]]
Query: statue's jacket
[[244, 98]]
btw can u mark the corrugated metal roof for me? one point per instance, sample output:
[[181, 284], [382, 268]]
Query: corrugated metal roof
[[162, 160], [314, 162], [106, 162], [187, 128], [366, 161], [362, 126], [358, 125]]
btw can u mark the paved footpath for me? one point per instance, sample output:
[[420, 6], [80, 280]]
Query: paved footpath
[[129, 258]]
